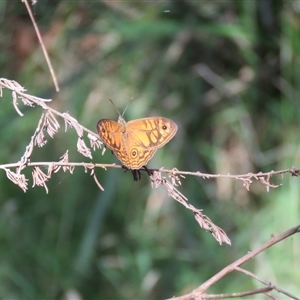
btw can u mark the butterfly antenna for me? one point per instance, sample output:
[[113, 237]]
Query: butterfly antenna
[[115, 107], [127, 106], [124, 109]]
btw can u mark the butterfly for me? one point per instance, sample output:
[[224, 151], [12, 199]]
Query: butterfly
[[135, 142]]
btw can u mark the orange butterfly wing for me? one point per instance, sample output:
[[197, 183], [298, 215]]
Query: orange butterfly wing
[[135, 142]]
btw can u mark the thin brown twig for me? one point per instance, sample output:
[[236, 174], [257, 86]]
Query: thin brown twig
[[42, 45], [238, 294], [14, 86], [205, 222], [198, 293], [292, 170], [264, 282], [62, 164]]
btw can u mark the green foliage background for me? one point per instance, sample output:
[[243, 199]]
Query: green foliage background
[[227, 72]]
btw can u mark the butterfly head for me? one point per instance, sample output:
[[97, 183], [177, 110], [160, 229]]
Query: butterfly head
[[121, 120]]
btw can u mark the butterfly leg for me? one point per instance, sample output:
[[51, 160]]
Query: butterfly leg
[[126, 169], [148, 171], [137, 175]]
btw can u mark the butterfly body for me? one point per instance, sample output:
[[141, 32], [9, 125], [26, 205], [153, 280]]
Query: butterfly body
[[135, 142]]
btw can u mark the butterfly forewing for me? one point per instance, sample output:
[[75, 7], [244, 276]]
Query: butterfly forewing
[[151, 132], [110, 133]]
